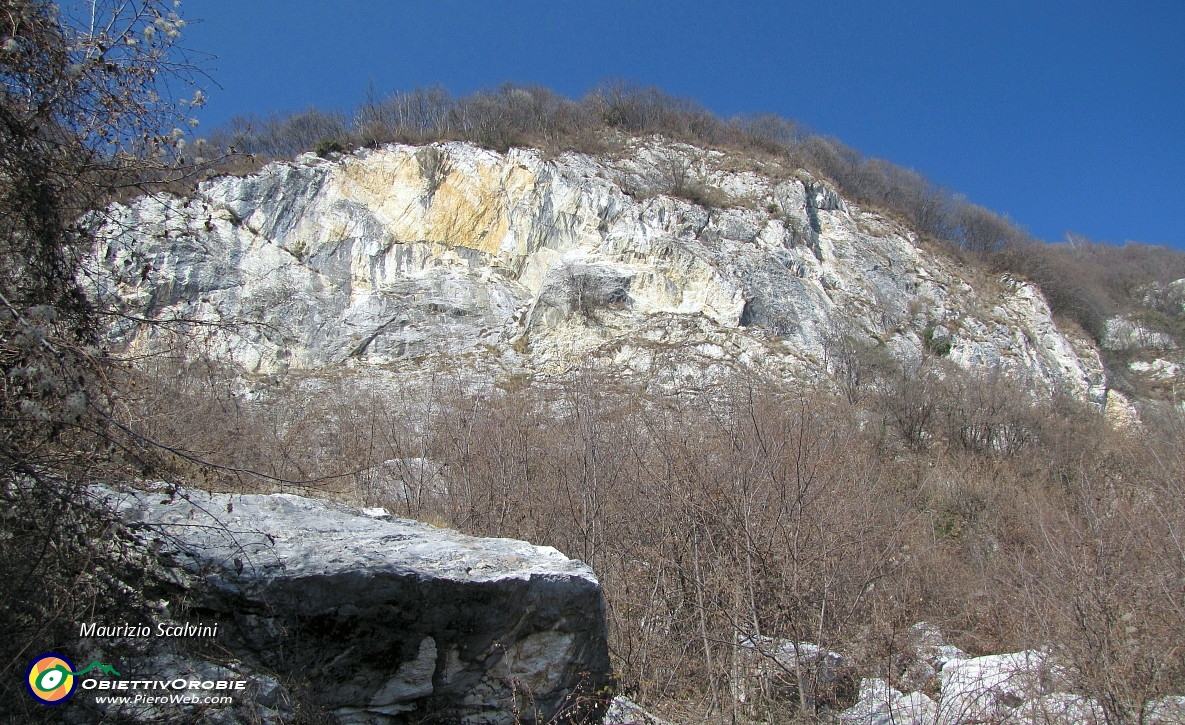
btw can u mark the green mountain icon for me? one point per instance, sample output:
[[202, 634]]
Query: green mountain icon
[[105, 669]]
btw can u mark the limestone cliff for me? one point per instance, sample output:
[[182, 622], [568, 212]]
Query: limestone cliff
[[668, 261]]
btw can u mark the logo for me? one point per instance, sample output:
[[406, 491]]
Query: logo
[[51, 677]]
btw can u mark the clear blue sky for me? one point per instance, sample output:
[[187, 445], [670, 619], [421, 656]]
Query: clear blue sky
[[1063, 115]]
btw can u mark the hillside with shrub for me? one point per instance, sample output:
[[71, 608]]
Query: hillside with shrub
[[771, 390], [906, 479]]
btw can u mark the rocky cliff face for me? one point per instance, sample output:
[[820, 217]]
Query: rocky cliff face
[[667, 261]]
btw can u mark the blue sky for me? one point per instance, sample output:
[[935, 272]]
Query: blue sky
[[1066, 116]]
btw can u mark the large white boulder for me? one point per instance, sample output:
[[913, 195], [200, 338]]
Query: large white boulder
[[989, 688]]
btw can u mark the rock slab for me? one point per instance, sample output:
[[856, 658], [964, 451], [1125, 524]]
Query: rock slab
[[379, 620]]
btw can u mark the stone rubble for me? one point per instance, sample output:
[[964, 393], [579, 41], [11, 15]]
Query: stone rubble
[[1016, 688]]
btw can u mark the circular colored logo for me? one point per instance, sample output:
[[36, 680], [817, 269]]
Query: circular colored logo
[[49, 679]]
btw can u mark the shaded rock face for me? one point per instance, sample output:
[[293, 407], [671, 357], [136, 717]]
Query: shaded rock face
[[380, 619], [516, 262]]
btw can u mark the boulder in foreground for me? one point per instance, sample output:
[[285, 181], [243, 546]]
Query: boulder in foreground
[[378, 620]]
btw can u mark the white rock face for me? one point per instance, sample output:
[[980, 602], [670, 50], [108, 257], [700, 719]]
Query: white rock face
[[1125, 334], [1155, 360], [1159, 370], [519, 262]]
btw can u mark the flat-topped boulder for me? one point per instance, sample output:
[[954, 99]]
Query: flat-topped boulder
[[382, 619]]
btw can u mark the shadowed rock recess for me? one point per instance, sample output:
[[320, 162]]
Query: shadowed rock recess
[[382, 619]]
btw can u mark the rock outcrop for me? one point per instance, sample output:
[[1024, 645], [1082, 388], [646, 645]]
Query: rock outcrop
[[624, 711], [983, 689], [939, 685], [1146, 352], [376, 619], [511, 262]]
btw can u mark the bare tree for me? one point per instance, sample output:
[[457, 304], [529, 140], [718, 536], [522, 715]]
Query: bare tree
[[87, 107]]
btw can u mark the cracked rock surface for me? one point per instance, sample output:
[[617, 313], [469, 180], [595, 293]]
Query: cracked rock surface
[[381, 619], [520, 262]]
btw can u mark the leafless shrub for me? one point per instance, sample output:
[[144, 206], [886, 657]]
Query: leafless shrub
[[1104, 577], [909, 401], [854, 360], [680, 178], [1064, 281], [990, 412], [983, 232], [84, 115], [281, 136]]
